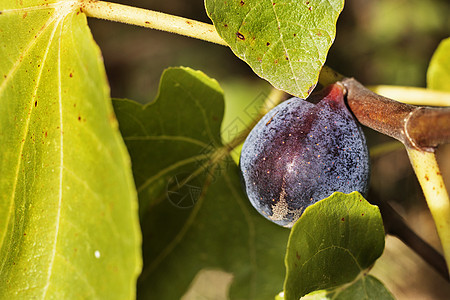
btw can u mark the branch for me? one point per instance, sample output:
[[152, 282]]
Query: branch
[[421, 128], [151, 19], [429, 127], [395, 225]]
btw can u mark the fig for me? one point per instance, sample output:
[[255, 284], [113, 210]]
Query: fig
[[300, 153]]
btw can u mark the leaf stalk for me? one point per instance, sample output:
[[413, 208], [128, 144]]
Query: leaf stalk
[[151, 19], [432, 183]]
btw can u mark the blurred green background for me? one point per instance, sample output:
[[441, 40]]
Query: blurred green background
[[378, 42]]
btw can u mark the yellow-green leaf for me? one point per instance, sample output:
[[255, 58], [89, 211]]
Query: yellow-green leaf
[[438, 75], [68, 209]]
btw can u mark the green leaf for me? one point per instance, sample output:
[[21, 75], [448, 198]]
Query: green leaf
[[68, 211], [332, 243], [438, 75], [194, 213], [285, 43]]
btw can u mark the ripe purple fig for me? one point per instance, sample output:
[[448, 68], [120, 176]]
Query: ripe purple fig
[[300, 153]]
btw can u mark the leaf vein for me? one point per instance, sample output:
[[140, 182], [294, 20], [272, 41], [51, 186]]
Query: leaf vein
[[18, 62], [81, 276], [172, 167], [96, 195], [284, 46], [61, 162], [202, 110], [334, 247], [27, 123]]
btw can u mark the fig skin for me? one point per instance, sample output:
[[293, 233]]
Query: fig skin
[[300, 153]]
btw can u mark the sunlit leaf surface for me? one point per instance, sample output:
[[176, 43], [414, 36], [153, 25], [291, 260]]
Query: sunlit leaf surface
[[438, 75], [68, 209]]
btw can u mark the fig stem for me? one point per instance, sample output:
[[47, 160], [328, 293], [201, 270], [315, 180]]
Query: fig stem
[[429, 127], [430, 178], [151, 19], [422, 128]]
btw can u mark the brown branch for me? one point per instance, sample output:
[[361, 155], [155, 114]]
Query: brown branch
[[395, 225], [429, 127], [422, 128]]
